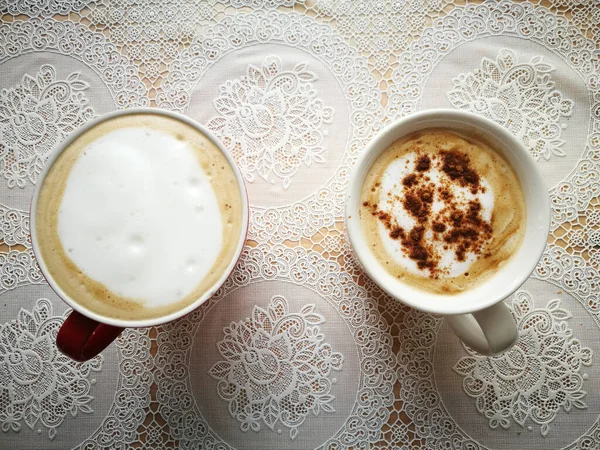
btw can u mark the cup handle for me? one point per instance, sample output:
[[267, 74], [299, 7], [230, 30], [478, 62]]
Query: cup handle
[[490, 331], [82, 338]]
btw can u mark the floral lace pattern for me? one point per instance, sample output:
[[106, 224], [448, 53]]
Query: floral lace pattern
[[276, 367], [123, 422], [45, 398], [34, 117], [76, 40], [37, 383], [538, 377], [572, 273], [584, 14], [519, 96], [17, 266], [271, 120], [262, 3], [303, 268], [422, 401], [379, 29], [43, 7], [506, 389], [15, 227], [576, 253], [150, 31]]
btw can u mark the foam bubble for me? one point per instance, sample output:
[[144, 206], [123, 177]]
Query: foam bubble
[[131, 216]]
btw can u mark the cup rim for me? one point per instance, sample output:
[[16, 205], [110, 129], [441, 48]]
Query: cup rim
[[410, 295], [59, 148]]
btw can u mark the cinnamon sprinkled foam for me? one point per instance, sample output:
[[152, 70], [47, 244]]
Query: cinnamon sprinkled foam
[[442, 211]]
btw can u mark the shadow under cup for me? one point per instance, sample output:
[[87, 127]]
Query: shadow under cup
[[86, 333], [514, 271]]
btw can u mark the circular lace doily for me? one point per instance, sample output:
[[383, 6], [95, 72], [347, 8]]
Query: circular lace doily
[[307, 365], [46, 396], [294, 112], [527, 393], [530, 391]]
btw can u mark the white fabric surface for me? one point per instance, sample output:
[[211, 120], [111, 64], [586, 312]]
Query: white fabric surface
[[299, 349]]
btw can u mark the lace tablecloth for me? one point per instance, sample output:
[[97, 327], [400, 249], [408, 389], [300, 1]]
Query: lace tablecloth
[[299, 349]]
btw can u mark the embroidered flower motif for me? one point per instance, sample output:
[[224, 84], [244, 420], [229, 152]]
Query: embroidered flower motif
[[18, 268], [535, 379], [37, 383], [518, 96], [592, 217], [14, 228], [276, 367], [271, 120], [34, 117], [332, 244]]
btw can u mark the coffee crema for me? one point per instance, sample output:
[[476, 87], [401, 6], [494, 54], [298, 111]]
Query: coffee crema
[[139, 217], [442, 211]]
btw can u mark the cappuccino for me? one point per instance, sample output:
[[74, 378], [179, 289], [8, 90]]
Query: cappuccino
[[139, 217], [442, 211]]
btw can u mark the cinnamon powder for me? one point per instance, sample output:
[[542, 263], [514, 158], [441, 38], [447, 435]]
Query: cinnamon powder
[[461, 230]]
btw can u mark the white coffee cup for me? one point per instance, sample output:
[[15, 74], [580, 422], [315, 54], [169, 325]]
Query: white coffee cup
[[478, 316]]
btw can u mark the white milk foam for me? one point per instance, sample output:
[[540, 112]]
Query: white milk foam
[[391, 182], [140, 216]]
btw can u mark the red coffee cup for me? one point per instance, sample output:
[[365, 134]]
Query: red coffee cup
[[86, 333]]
